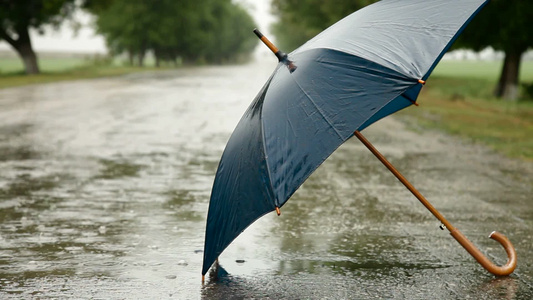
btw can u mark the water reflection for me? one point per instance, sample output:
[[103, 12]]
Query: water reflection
[[499, 288]]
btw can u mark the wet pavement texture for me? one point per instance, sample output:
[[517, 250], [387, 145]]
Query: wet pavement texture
[[105, 184]]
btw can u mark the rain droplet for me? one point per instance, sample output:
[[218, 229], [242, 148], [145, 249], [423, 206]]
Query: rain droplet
[[182, 263]]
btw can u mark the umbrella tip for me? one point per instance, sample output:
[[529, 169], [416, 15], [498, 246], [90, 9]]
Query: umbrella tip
[[278, 211], [258, 33], [421, 81]]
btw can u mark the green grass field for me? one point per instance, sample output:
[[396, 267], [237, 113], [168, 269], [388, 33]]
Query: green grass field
[[488, 70], [48, 65], [458, 99], [55, 69]]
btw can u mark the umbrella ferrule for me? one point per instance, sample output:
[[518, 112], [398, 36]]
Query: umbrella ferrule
[[282, 56]]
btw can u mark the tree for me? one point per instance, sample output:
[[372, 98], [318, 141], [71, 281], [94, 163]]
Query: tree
[[230, 33], [17, 17], [504, 25], [209, 31], [126, 26]]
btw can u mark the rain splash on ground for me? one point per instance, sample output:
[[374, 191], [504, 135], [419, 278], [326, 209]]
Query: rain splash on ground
[[104, 189]]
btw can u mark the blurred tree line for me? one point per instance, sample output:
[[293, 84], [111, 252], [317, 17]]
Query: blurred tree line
[[505, 25], [207, 31], [191, 31]]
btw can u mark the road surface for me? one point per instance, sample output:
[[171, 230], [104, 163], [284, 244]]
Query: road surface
[[105, 185]]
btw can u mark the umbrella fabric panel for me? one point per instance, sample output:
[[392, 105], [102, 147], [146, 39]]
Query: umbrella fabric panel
[[309, 113], [404, 100], [408, 36], [242, 191]]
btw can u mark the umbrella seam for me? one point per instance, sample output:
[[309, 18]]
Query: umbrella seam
[[406, 76], [276, 200], [409, 76]]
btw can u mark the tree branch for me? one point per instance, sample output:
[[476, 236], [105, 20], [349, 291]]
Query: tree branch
[[5, 36]]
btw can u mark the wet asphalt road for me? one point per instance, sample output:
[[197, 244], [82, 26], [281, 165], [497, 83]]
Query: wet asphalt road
[[104, 189]]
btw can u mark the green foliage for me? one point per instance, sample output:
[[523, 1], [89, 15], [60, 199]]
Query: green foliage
[[213, 31], [33, 13], [300, 20], [505, 25]]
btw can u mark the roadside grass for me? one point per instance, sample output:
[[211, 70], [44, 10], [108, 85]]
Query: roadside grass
[[489, 70], [55, 69], [458, 99], [20, 79], [13, 65]]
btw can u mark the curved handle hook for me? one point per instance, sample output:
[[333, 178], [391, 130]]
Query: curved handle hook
[[504, 270], [507, 269]]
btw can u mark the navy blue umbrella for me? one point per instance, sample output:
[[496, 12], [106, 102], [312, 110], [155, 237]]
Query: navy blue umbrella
[[367, 66]]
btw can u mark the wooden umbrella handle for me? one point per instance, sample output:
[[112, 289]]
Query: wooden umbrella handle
[[504, 270], [507, 269]]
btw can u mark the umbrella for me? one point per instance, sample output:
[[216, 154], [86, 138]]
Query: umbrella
[[365, 67]]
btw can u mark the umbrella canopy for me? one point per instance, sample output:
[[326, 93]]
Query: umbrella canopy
[[366, 66]]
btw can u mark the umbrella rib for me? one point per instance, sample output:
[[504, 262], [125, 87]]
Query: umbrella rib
[[276, 200], [358, 55]]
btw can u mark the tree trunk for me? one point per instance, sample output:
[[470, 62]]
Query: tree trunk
[[140, 56], [507, 87], [29, 58], [157, 55], [141, 59], [24, 49], [130, 57]]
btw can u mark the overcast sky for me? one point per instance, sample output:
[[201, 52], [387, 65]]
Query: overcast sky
[[86, 40]]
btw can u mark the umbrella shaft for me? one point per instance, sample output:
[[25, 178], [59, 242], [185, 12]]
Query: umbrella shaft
[[403, 180]]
